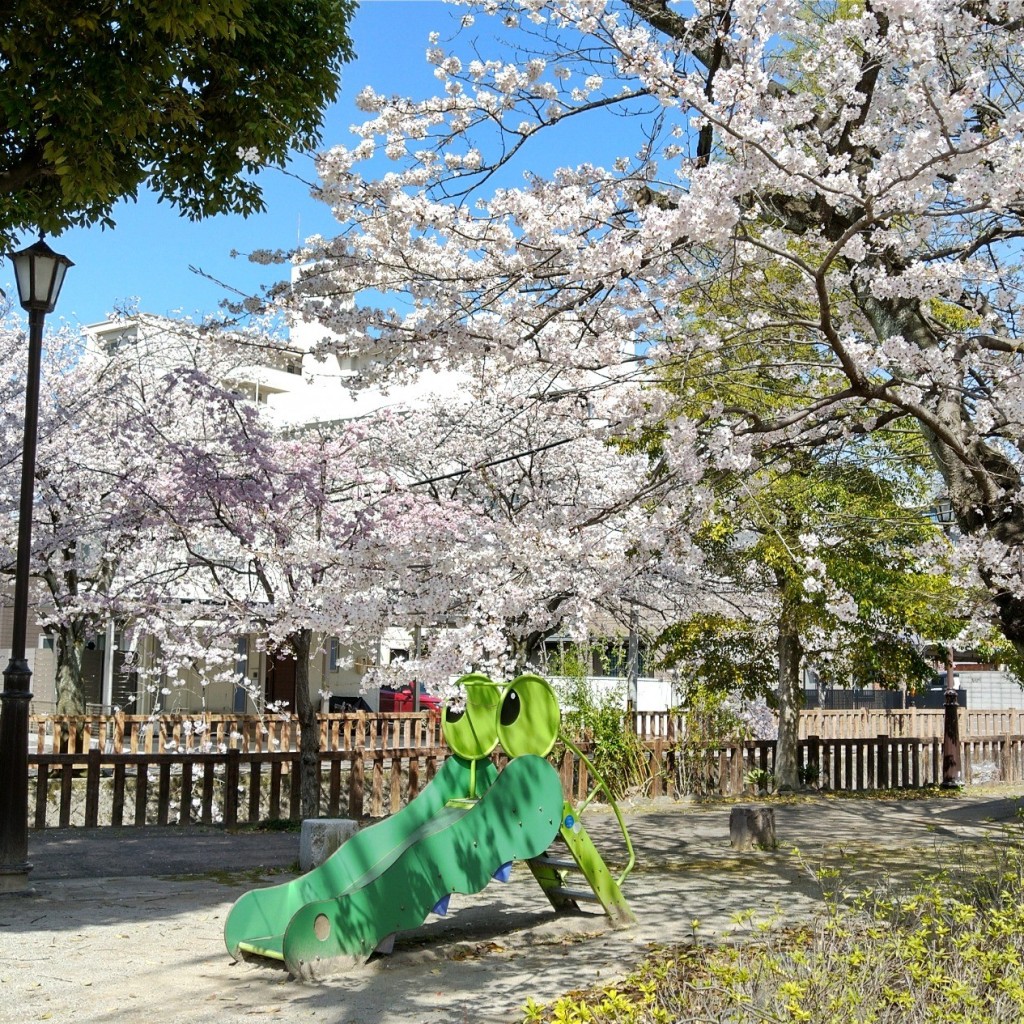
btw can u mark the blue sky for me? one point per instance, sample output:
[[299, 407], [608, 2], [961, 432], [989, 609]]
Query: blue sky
[[145, 260]]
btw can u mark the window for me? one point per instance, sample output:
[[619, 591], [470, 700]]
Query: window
[[333, 654], [241, 675], [242, 657]]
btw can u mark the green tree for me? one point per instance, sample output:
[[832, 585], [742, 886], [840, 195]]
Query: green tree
[[101, 96], [817, 544], [819, 560]]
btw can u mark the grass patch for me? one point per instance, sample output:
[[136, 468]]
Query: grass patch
[[898, 795], [948, 948]]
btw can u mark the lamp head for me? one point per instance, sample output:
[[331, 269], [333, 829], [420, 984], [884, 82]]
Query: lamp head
[[40, 273]]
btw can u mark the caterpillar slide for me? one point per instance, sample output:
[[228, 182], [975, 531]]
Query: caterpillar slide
[[466, 827]]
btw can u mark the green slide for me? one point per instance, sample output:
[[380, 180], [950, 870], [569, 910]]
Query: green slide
[[467, 825]]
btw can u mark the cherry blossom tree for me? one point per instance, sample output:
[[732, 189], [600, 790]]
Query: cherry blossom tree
[[475, 518], [863, 159], [553, 529], [81, 527], [260, 530], [87, 525]]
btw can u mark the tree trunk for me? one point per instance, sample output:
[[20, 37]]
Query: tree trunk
[[70, 645], [309, 742], [791, 699]]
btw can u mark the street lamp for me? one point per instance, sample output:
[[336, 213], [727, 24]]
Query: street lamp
[[40, 274]]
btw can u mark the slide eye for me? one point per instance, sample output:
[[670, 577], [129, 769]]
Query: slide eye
[[529, 717], [510, 708], [471, 732]]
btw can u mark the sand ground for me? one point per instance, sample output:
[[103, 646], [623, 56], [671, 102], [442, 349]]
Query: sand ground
[[127, 924]]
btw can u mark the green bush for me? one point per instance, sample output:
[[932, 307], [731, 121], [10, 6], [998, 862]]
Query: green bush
[[598, 722]]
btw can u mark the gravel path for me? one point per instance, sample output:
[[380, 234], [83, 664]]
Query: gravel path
[[126, 924]]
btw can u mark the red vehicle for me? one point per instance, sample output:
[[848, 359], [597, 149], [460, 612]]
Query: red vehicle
[[402, 699]]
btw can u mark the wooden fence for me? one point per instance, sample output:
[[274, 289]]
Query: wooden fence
[[910, 722], [99, 788], [905, 762], [862, 723], [175, 733], [168, 733]]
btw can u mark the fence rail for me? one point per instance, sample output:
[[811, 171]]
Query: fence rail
[[99, 788]]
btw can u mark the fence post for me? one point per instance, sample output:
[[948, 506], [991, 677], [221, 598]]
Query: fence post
[[141, 791], [66, 792], [355, 785], [163, 793], [813, 747], [736, 769], [92, 789], [231, 786], [657, 767], [377, 785], [185, 794], [566, 770], [42, 792], [396, 784], [414, 775], [882, 743]]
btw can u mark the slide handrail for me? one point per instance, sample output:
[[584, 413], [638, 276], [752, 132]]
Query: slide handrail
[[603, 786]]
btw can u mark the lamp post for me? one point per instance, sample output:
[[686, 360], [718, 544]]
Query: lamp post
[[40, 274], [945, 516]]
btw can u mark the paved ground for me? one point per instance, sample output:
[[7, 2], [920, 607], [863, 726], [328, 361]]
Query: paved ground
[[126, 924]]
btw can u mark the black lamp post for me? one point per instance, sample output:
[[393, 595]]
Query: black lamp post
[[951, 769], [40, 274]]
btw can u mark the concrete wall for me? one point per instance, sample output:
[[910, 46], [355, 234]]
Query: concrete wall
[[651, 694], [990, 690]]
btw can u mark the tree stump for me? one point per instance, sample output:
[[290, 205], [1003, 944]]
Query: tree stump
[[752, 828], [320, 837]]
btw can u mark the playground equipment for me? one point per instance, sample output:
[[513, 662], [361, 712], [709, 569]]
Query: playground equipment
[[467, 826]]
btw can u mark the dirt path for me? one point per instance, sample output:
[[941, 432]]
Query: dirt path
[[127, 925]]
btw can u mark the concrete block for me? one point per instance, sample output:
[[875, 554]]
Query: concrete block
[[751, 827], [320, 837]]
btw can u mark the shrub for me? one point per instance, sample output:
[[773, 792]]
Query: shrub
[[951, 950], [599, 721]]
